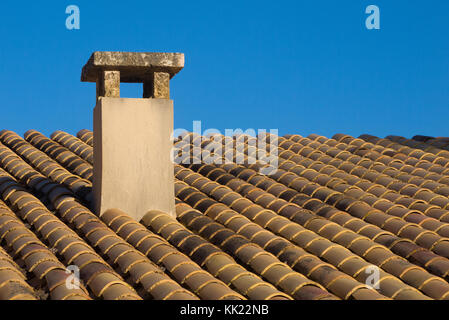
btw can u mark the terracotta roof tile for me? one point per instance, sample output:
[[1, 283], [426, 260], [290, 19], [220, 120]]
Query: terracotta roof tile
[[86, 136]]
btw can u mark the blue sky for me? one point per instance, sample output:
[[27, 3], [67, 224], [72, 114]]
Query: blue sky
[[297, 66]]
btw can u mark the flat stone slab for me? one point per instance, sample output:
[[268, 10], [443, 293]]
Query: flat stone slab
[[133, 66]]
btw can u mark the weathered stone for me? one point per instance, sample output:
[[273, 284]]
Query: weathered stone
[[108, 84], [157, 86], [133, 66]]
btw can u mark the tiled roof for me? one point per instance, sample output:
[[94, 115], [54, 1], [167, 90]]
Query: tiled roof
[[315, 229]]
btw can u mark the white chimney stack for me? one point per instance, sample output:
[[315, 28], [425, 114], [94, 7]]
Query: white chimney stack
[[133, 171]]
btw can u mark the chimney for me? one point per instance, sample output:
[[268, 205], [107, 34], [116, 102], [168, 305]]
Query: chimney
[[133, 171]]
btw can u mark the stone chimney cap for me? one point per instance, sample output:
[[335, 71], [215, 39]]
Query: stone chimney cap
[[134, 67]]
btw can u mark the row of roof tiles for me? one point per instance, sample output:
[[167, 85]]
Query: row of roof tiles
[[280, 190], [312, 230]]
